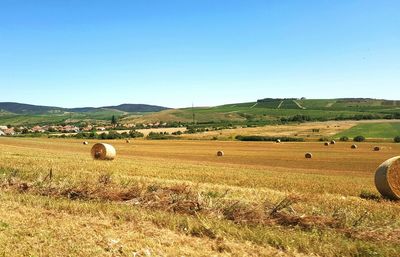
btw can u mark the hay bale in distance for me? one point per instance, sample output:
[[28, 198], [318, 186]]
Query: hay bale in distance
[[278, 140], [127, 141], [377, 148], [333, 142], [387, 178], [102, 151], [308, 155], [85, 143], [220, 153], [354, 146], [326, 143]]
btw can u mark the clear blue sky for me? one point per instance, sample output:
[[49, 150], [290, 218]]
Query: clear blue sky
[[93, 53]]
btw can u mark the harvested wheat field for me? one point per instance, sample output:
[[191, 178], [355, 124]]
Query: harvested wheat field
[[177, 198]]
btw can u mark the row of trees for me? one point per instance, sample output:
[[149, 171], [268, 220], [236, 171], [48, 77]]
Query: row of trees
[[110, 135]]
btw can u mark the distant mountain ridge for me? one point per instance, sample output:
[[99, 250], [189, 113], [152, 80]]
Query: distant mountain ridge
[[20, 108]]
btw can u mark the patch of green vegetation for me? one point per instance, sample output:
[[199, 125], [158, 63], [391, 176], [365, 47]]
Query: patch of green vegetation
[[373, 130], [45, 119]]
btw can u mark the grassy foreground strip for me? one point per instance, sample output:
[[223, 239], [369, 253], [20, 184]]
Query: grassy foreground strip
[[207, 214]]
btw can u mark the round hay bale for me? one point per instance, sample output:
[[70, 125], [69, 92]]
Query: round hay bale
[[85, 143], [387, 178], [333, 142], [102, 151], [127, 141], [354, 146], [278, 140], [377, 148], [308, 155], [326, 143], [220, 153]]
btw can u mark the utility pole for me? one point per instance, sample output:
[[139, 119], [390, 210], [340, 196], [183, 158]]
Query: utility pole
[[193, 114]]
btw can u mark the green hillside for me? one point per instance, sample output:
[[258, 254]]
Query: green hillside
[[26, 114], [42, 119], [277, 109], [260, 112], [373, 130]]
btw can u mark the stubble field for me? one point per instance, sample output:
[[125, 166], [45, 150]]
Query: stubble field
[[177, 198]]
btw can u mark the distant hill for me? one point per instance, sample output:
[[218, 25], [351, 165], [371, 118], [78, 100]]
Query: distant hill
[[27, 114], [19, 108], [137, 108], [269, 109]]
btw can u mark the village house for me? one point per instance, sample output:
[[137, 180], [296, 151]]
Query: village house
[[9, 132], [130, 125], [88, 128], [37, 129], [69, 128]]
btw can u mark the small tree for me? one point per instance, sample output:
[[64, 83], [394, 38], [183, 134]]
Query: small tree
[[397, 139], [114, 121], [359, 139], [344, 139]]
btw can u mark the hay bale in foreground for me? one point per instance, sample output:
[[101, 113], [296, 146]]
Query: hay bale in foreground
[[333, 142], [308, 155], [326, 143], [220, 153], [354, 146], [85, 143], [387, 178], [377, 148], [102, 151]]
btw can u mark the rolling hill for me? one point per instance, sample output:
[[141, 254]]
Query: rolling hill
[[260, 111], [273, 109], [27, 114], [18, 108]]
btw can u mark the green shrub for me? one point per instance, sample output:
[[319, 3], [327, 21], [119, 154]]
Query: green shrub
[[369, 195], [135, 134], [344, 139], [397, 139], [359, 139]]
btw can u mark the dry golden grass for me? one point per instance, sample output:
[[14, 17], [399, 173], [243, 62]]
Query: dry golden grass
[[177, 198], [304, 130]]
